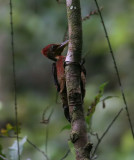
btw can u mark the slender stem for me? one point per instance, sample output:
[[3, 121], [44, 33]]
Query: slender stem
[[3, 157], [116, 69], [65, 156], [47, 130], [87, 17], [103, 135], [14, 76], [31, 143], [44, 154]]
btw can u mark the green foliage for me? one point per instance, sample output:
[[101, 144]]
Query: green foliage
[[5, 132], [35, 87], [72, 149], [66, 127], [92, 108], [10, 129], [127, 144], [97, 99]]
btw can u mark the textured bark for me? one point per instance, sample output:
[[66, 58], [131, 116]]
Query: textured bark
[[78, 134]]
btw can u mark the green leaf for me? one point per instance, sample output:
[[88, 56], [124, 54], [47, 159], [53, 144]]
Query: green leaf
[[13, 150], [9, 127], [88, 122], [102, 87], [87, 119], [72, 149], [100, 94], [67, 127], [109, 97], [4, 132], [97, 98]]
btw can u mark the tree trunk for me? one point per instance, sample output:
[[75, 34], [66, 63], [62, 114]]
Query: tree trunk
[[78, 133]]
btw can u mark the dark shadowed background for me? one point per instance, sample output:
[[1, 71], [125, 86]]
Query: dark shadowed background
[[38, 23]]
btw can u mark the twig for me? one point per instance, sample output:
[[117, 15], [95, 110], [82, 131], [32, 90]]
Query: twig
[[95, 12], [44, 154], [96, 135], [47, 131], [116, 69], [46, 121], [3, 157], [14, 76], [65, 156], [50, 114], [103, 135], [37, 149]]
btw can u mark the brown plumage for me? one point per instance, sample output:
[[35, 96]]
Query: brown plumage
[[53, 52]]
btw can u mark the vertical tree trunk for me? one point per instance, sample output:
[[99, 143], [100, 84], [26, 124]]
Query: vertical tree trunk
[[78, 134]]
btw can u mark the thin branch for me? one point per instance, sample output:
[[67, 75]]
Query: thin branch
[[3, 157], [96, 135], [38, 149], [116, 69], [32, 144], [46, 121], [65, 156], [92, 13], [47, 131], [103, 135], [87, 17], [14, 76]]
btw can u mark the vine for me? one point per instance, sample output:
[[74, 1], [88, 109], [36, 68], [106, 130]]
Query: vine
[[14, 76], [116, 68]]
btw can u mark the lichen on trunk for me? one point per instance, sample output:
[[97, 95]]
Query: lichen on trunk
[[74, 30]]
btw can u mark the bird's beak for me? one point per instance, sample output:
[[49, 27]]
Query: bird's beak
[[63, 44]]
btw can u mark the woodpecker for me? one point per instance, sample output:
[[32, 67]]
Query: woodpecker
[[53, 52]]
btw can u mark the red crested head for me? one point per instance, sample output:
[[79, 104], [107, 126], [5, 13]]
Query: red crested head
[[46, 50], [53, 51]]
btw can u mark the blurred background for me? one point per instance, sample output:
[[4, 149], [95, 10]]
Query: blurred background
[[38, 23]]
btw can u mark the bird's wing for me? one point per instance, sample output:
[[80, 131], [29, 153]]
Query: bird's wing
[[83, 80], [54, 72]]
